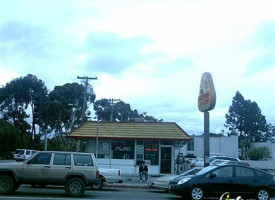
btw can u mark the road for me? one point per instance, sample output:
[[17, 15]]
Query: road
[[26, 192], [114, 193]]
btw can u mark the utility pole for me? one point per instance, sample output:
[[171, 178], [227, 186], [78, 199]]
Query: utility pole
[[112, 101], [84, 105]]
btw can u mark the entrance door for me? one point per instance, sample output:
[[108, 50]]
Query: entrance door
[[165, 163]]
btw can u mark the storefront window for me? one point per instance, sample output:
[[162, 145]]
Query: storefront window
[[123, 149], [103, 149], [151, 152], [139, 152]]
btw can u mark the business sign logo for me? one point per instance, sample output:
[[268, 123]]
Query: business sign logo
[[226, 196], [207, 94]]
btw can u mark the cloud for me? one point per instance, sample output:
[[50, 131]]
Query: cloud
[[21, 38], [264, 41], [112, 54]]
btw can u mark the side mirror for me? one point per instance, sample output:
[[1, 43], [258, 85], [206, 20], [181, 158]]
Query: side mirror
[[28, 162], [213, 175]]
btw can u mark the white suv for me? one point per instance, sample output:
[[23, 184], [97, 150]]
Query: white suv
[[23, 154]]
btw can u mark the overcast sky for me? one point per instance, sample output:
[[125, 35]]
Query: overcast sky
[[148, 53]]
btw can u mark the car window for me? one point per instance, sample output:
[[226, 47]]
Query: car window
[[261, 174], [244, 172], [224, 172], [42, 159], [28, 152], [83, 160], [62, 159], [21, 152]]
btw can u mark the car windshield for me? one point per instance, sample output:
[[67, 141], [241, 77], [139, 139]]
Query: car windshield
[[206, 169], [21, 152]]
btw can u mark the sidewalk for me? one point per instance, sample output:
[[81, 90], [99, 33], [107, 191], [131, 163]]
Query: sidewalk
[[133, 181]]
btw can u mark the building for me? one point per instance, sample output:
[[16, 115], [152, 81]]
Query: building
[[218, 145], [125, 145]]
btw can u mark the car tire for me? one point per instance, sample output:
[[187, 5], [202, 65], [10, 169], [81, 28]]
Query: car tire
[[75, 187], [6, 184], [263, 194], [196, 193], [98, 185]]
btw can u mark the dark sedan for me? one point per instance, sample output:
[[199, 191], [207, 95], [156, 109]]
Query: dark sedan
[[225, 181]]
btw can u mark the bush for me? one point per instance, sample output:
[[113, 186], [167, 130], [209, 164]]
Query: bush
[[258, 153]]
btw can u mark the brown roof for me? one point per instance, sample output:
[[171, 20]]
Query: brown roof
[[130, 130]]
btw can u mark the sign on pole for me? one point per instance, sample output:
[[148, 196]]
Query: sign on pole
[[207, 94], [206, 102]]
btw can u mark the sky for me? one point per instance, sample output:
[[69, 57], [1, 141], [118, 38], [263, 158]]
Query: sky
[[148, 53]]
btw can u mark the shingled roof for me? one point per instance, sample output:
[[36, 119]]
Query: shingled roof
[[130, 130]]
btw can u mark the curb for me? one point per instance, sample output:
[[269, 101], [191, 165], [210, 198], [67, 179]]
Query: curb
[[127, 186]]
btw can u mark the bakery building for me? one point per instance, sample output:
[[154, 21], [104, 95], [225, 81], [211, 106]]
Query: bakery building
[[123, 145]]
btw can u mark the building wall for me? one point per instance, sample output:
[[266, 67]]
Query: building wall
[[219, 145]]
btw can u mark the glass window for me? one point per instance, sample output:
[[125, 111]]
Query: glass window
[[123, 149], [42, 159], [62, 159], [83, 160], [103, 149], [190, 145], [21, 152], [151, 152], [244, 172], [224, 172], [260, 174], [28, 152]]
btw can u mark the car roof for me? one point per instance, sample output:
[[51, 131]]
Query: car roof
[[75, 152]]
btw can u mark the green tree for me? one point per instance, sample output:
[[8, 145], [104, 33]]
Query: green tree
[[62, 112], [15, 100], [9, 137], [120, 111], [245, 119]]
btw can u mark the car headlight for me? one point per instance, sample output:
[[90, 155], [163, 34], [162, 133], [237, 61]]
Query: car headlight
[[183, 180]]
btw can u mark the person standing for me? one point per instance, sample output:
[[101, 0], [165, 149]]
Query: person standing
[[143, 170]]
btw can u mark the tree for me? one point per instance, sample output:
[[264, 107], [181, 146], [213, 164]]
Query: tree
[[62, 112], [244, 119], [9, 137], [120, 111], [15, 99]]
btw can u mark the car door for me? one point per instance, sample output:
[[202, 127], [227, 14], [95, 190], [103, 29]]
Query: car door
[[61, 166], [36, 169], [220, 181], [245, 180]]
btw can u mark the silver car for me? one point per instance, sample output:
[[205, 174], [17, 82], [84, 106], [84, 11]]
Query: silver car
[[74, 170]]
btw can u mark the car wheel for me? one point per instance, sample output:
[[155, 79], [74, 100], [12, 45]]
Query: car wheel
[[263, 194], [98, 185], [6, 184], [196, 193], [75, 187]]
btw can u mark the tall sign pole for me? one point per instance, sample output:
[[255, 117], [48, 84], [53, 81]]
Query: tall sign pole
[[206, 102]]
